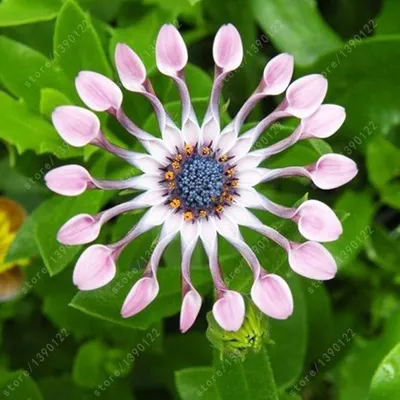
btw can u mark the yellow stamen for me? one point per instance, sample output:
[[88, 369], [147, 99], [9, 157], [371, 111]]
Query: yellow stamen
[[223, 158], [234, 183], [203, 213], [175, 203], [219, 208], [178, 157], [230, 172], [188, 149], [206, 151], [169, 175], [229, 198], [171, 185], [188, 215], [176, 165]]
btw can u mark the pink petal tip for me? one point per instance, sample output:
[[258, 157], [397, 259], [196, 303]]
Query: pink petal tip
[[81, 229], [98, 92], [144, 291], [326, 121], [305, 95], [68, 180], [95, 268], [272, 295], [278, 73], [318, 222], [171, 51], [76, 125], [312, 260], [131, 69], [228, 48], [333, 170], [191, 305], [229, 311]]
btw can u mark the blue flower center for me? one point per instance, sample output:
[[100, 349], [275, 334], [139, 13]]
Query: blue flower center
[[200, 181]]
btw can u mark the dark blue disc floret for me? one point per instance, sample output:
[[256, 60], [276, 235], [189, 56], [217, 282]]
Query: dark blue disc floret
[[200, 180]]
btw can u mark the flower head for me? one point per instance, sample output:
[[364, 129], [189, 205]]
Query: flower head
[[198, 179]]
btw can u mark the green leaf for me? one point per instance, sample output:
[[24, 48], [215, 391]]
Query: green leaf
[[63, 388], [28, 131], [358, 367], [141, 36], [357, 227], [382, 249], [320, 146], [383, 162], [24, 244], [198, 381], [385, 383], [19, 12], [390, 195], [106, 302], [319, 313], [88, 370], [77, 45], [352, 74], [288, 353], [251, 379], [19, 386], [50, 99], [24, 71], [291, 26], [194, 350], [96, 362], [57, 292], [292, 395], [178, 6], [387, 21]]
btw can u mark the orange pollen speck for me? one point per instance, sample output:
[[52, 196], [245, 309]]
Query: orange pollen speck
[[230, 172], [234, 183], [219, 208], [223, 158], [175, 203], [203, 213], [229, 198], [188, 149], [206, 151], [169, 175], [176, 165], [188, 215]]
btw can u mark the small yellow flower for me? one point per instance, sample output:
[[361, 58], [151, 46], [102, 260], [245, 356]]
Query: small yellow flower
[[11, 274]]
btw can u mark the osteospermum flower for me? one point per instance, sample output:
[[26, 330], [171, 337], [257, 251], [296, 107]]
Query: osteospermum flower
[[198, 179]]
